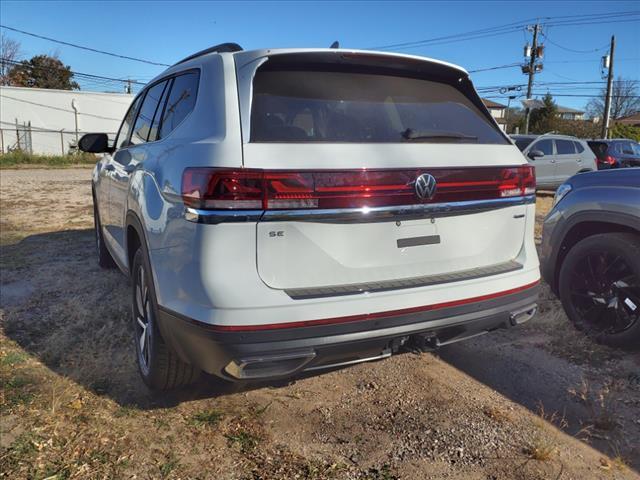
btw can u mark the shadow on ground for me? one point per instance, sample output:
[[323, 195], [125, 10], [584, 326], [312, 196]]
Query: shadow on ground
[[74, 317], [514, 364]]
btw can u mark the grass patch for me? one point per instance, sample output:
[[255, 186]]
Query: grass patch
[[207, 417], [169, 466], [540, 449], [18, 159], [244, 440], [11, 359]]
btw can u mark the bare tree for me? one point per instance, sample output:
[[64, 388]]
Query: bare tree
[[625, 99], [9, 53]]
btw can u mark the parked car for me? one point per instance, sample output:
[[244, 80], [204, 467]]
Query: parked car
[[591, 254], [556, 157], [288, 210], [617, 153]]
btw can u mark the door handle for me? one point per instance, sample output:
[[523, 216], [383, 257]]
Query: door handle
[[108, 168]]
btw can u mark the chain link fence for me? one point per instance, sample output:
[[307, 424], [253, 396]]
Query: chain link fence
[[34, 140]]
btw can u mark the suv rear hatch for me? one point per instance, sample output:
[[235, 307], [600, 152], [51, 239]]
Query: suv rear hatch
[[345, 148]]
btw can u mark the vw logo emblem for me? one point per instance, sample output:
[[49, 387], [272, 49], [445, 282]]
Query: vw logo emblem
[[425, 186]]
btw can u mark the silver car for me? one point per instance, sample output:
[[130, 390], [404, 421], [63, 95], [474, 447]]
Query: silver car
[[556, 157]]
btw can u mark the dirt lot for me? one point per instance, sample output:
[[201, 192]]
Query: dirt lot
[[536, 402]]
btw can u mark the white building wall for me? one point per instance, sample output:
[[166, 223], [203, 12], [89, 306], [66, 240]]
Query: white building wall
[[53, 119]]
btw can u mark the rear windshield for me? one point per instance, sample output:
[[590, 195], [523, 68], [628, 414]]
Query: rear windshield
[[330, 106], [523, 143], [599, 148]]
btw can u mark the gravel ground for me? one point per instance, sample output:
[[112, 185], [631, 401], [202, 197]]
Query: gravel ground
[[535, 402]]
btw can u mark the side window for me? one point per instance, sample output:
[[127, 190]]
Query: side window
[[154, 131], [182, 99], [627, 148], [545, 146], [565, 147], [579, 147], [142, 127], [123, 134]]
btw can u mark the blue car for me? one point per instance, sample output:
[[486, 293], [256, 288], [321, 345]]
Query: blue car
[[616, 153]]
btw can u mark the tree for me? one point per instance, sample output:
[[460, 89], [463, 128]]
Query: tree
[[619, 130], [544, 119], [625, 100], [42, 71], [9, 53]]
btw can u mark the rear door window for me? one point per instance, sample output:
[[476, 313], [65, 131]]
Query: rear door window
[[180, 103], [545, 146], [579, 147], [355, 107], [565, 147], [144, 122]]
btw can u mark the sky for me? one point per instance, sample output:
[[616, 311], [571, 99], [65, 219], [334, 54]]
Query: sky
[[165, 32]]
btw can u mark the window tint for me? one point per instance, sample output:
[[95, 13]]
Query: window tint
[[523, 143], [579, 147], [341, 106], [565, 147], [148, 109], [125, 128], [182, 99], [545, 146]]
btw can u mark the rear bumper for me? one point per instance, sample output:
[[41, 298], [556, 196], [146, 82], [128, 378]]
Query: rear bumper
[[280, 352]]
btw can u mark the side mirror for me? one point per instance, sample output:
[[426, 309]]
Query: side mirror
[[95, 143], [533, 154]]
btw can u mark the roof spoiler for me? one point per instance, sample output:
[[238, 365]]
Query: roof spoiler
[[222, 48]]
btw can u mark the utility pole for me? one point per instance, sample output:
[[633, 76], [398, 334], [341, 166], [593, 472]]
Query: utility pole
[[127, 88], [607, 100], [531, 70]]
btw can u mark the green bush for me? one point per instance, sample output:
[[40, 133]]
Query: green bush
[[619, 130], [19, 158]]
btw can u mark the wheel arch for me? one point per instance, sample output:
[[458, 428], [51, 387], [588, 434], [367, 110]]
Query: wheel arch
[[134, 238]]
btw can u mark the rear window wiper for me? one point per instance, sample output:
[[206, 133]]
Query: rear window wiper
[[410, 134]]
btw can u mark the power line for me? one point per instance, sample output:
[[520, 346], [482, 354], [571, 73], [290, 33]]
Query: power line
[[81, 47], [569, 20], [546, 37], [494, 68]]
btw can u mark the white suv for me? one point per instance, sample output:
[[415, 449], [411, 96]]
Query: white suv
[[290, 210]]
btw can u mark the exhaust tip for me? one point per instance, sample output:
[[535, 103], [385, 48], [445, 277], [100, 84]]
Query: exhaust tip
[[268, 366], [521, 316]]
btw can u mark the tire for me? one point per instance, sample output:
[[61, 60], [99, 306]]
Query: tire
[[599, 287], [159, 366], [105, 260]]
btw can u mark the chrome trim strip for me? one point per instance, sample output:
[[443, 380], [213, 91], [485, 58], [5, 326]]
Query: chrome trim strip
[[425, 281], [357, 215], [401, 212], [214, 217]]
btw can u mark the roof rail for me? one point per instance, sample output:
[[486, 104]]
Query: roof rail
[[223, 47]]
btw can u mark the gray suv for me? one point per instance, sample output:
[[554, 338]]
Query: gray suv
[[591, 254], [555, 157]]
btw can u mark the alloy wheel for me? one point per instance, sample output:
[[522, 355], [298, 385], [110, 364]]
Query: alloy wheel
[[605, 293], [143, 315]]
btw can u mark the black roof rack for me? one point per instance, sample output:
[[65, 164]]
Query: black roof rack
[[223, 47]]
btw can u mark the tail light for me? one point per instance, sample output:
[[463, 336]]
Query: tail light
[[610, 160], [246, 189]]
